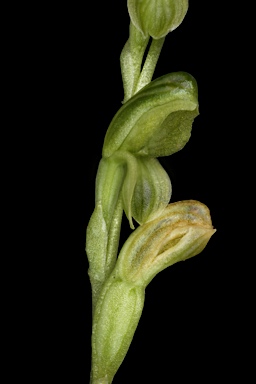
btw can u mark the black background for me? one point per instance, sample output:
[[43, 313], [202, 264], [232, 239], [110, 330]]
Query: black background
[[185, 328]]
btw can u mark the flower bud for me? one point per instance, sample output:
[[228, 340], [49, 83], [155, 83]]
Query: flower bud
[[157, 17], [180, 232], [157, 120]]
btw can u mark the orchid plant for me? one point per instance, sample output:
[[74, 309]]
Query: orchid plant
[[155, 120]]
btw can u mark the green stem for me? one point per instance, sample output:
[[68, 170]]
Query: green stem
[[150, 63], [131, 60], [103, 380]]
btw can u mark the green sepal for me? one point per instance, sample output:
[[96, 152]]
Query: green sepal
[[174, 134], [130, 181], [140, 119], [180, 232], [109, 182], [146, 190], [157, 17]]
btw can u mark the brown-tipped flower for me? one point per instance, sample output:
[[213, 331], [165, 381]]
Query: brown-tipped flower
[[180, 232]]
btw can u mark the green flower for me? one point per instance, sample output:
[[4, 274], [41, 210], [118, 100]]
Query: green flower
[[157, 121], [180, 232], [157, 17]]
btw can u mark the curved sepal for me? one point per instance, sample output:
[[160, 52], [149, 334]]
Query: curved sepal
[[146, 189], [145, 197], [140, 120], [174, 134]]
